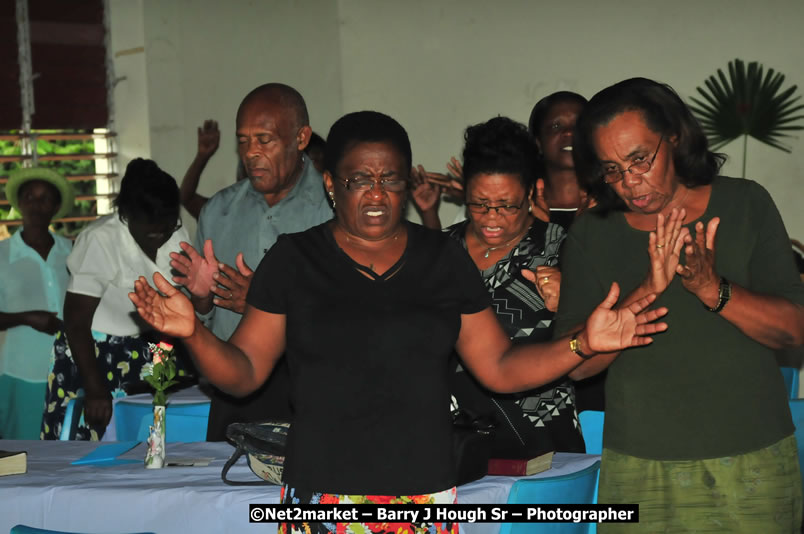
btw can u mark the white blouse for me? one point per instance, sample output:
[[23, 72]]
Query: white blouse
[[104, 263]]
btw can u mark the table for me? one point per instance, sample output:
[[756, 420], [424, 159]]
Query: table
[[57, 495]]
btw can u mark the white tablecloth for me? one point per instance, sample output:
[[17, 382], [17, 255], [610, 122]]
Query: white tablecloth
[[57, 495]]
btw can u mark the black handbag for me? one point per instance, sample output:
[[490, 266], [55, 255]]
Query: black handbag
[[472, 439], [264, 443]]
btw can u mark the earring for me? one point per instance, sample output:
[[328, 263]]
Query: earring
[[530, 208], [332, 198]]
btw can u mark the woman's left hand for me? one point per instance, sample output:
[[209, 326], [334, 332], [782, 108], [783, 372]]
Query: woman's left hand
[[548, 284], [698, 273], [612, 330]]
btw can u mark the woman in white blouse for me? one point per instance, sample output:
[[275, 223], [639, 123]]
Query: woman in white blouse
[[104, 344]]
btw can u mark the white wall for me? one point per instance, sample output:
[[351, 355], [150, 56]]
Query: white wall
[[201, 58], [438, 66]]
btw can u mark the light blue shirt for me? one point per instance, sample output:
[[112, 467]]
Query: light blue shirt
[[238, 219], [30, 283]]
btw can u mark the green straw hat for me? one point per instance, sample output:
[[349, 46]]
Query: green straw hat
[[21, 176]]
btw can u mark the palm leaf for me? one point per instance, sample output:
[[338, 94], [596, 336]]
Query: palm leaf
[[747, 102]]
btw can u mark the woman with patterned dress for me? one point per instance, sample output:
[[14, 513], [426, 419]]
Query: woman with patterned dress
[[504, 238], [104, 345], [368, 309]]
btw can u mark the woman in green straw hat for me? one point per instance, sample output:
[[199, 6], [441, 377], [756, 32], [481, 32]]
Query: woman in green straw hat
[[33, 266]]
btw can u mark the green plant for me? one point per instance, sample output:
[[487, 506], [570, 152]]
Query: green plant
[[161, 371], [749, 102]]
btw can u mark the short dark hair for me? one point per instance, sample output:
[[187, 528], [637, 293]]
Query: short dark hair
[[500, 146], [286, 96], [665, 113], [148, 192], [543, 107], [364, 127]]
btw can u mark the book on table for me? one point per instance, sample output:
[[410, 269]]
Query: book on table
[[13, 462], [521, 466]]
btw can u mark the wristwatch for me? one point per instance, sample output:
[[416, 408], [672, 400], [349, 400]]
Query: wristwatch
[[723, 295], [575, 346]]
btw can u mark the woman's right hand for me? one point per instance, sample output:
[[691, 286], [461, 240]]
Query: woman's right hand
[[97, 407], [664, 249], [43, 321], [170, 312]]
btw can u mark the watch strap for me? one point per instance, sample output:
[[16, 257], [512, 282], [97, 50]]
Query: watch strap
[[723, 295], [575, 346]]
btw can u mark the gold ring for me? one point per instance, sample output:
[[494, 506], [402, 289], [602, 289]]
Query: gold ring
[[545, 279], [659, 246]]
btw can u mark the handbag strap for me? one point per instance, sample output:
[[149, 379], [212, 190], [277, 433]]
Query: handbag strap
[[239, 451]]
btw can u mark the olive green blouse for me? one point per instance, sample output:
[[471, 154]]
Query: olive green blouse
[[702, 389]]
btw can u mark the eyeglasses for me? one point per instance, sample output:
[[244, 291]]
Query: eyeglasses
[[612, 176], [362, 184], [483, 208]]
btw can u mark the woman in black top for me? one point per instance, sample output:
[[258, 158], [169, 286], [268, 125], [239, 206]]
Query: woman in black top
[[368, 309]]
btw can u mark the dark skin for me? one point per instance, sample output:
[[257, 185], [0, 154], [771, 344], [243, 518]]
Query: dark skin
[[79, 311], [372, 222], [659, 203], [208, 140], [38, 201], [270, 144]]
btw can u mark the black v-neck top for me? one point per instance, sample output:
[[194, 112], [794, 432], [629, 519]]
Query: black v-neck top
[[369, 360]]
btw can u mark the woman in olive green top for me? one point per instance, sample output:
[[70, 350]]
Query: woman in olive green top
[[698, 430]]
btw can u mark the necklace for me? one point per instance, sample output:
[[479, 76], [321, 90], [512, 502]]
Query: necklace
[[396, 236], [516, 239]]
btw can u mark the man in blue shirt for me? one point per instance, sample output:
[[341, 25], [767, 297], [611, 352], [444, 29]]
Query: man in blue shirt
[[284, 193]]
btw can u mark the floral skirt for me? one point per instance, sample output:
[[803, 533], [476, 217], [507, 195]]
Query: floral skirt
[[752, 493], [119, 359], [295, 496]]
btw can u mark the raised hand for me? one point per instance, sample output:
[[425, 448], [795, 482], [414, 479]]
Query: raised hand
[[538, 205], [664, 248], [196, 272], [426, 189], [167, 310], [611, 330], [698, 274], [43, 321], [455, 168], [548, 284], [232, 285], [209, 138]]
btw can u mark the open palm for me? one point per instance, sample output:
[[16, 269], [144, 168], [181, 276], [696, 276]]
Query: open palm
[[170, 312], [611, 330], [664, 249]]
